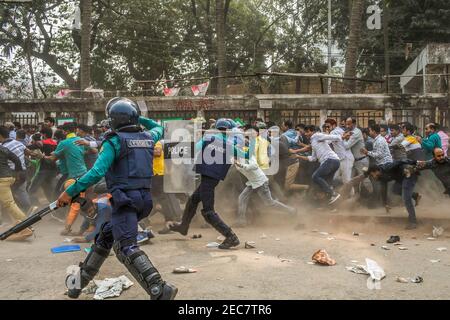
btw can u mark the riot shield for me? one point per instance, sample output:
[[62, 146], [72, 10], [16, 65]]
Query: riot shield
[[179, 147]]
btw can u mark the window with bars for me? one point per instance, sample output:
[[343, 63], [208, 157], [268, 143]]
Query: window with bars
[[405, 115], [363, 117], [309, 117]]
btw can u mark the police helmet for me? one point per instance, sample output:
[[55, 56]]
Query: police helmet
[[123, 113], [110, 104], [223, 124]]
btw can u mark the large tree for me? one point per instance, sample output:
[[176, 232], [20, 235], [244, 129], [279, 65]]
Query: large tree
[[351, 57]]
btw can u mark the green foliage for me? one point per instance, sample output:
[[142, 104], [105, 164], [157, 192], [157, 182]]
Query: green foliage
[[411, 21]]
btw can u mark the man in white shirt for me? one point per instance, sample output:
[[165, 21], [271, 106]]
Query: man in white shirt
[[257, 183], [328, 159], [345, 155]]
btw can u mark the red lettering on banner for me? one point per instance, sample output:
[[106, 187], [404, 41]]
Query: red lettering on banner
[[194, 105]]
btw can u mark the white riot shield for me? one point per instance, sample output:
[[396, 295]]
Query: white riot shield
[[179, 148]]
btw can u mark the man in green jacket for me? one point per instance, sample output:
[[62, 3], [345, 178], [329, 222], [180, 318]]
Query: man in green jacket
[[431, 142]]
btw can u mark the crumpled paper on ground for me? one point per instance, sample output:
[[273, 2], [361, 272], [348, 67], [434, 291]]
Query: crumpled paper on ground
[[374, 270], [322, 257], [371, 268], [437, 231], [108, 288]]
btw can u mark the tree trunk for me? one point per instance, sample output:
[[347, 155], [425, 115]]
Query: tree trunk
[[221, 46], [30, 66], [85, 64], [351, 56]]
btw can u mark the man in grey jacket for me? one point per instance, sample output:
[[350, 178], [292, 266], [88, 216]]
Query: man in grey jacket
[[353, 140], [397, 149]]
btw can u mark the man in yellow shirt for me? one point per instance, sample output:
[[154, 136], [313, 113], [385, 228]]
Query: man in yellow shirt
[[170, 206], [261, 149]]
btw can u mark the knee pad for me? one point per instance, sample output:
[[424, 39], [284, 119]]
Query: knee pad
[[88, 270], [140, 266]]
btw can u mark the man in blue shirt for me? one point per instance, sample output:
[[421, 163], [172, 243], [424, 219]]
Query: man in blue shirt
[[213, 165]]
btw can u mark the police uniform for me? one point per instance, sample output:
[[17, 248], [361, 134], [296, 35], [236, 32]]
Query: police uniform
[[213, 165], [125, 159]]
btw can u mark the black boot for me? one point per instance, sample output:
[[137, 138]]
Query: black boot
[[88, 270], [231, 240], [140, 266], [188, 214]]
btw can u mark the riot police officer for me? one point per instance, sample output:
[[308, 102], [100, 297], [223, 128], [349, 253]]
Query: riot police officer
[[125, 159], [212, 171]]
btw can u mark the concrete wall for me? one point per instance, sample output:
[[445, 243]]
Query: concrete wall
[[92, 111]]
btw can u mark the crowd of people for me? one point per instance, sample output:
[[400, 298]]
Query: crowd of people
[[38, 162], [336, 154], [118, 169]]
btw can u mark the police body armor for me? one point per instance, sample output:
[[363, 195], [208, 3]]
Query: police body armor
[[133, 169], [215, 149]]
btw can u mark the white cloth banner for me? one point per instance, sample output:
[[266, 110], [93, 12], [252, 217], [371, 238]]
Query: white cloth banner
[[201, 89], [171, 92]]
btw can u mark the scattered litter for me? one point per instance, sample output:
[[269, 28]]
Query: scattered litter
[[277, 239], [435, 261], [398, 244], [356, 234], [386, 248], [196, 236], [62, 249], [417, 279], [89, 289], [402, 280], [402, 248], [354, 261], [87, 250], [331, 238], [260, 252], [284, 260], [263, 236], [431, 238], [323, 258], [108, 288], [360, 269], [9, 260], [250, 245], [441, 249], [324, 233], [334, 211], [68, 240], [437, 231], [310, 262], [212, 245], [393, 239], [220, 238], [184, 270], [375, 271]]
